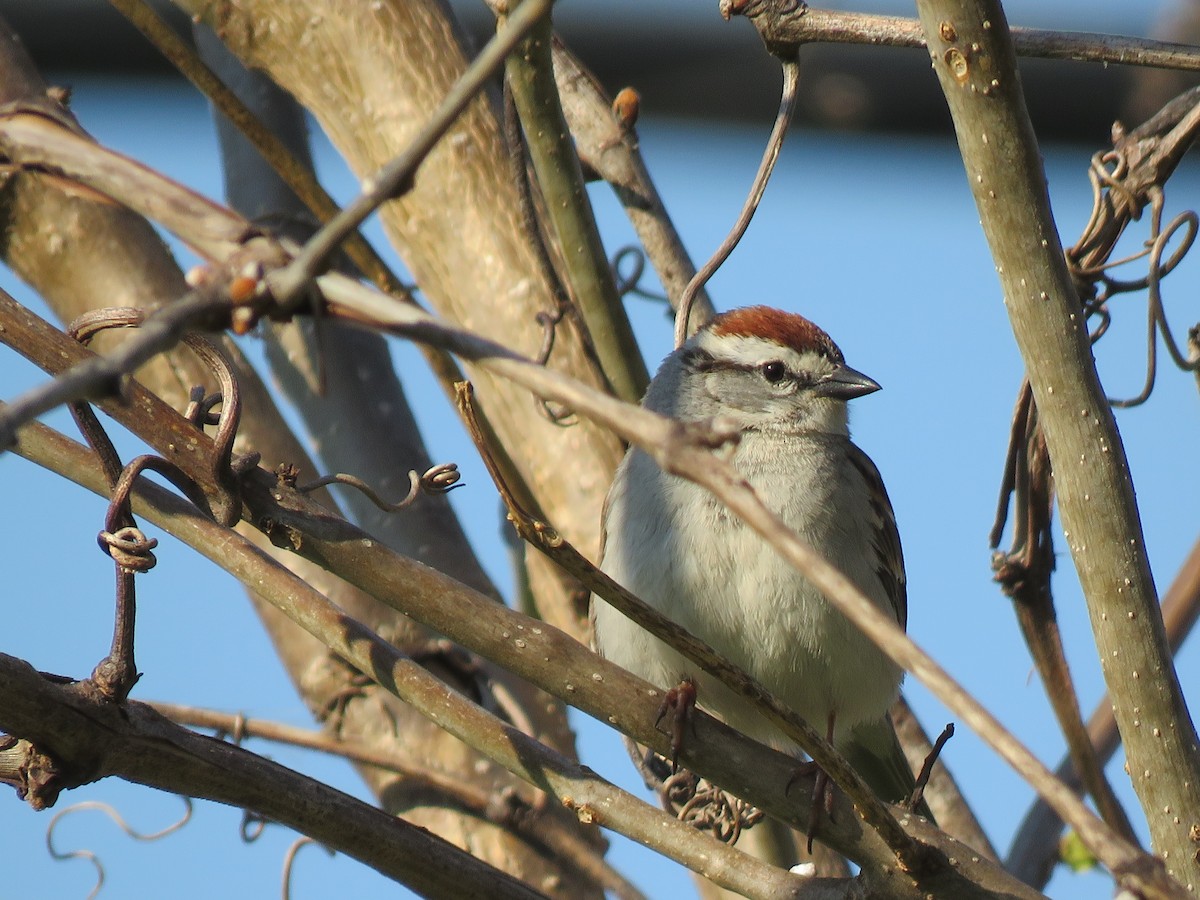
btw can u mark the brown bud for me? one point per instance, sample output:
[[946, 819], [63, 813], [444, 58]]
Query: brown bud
[[625, 107]]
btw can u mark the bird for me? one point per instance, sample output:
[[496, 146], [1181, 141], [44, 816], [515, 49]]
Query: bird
[[783, 385]]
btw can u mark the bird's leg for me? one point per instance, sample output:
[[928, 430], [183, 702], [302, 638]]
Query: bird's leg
[[822, 792], [822, 797], [678, 702]]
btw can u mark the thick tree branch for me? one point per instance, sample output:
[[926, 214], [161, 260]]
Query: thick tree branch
[[459, 228], [974, 61], [1033, 853], [79, 737]]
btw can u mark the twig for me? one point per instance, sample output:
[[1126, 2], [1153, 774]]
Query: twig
[[511, 813], [790, 25], [783, 118], [927, 766], [298, 177], [945, 799], [132, 554], [224, 468], [531, 75], [394, 178], [1124, 180]]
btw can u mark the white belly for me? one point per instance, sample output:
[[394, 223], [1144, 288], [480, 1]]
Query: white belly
[[738, 595]]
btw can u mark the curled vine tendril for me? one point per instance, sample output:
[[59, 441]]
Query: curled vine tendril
[[119, 821]]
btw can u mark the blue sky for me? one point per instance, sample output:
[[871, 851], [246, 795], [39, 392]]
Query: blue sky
[[873, 237]]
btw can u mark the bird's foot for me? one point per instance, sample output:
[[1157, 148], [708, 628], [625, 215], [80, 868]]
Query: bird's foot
[[822, 796], [676, 707]]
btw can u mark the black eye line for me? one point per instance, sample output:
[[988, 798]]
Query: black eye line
[[703, 361]]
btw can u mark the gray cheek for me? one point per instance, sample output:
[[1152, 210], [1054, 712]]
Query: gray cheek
[[747, 392], [733, 390]]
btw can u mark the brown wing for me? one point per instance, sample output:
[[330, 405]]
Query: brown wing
[[889, 565]]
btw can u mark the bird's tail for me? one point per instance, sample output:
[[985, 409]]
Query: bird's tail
[[874, 751]]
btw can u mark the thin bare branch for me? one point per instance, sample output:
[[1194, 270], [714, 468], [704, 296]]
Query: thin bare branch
[[513, 813], [395, 177], [609, 146], [787, 107], [560, 180], [790, 25], [949, 807]]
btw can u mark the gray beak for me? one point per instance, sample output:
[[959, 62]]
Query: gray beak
[[846, 383]]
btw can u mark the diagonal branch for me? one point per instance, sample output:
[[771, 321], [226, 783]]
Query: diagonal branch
[[530, 73], [581, 790], [513, 813], [530, 649], [976, 66], [686, 452]]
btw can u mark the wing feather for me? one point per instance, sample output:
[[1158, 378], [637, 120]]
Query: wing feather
[[885, 541]]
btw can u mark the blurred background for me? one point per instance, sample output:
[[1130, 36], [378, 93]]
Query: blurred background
[[868, 228]]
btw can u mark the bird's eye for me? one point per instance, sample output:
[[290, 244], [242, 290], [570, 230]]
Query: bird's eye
[[774, 371]]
